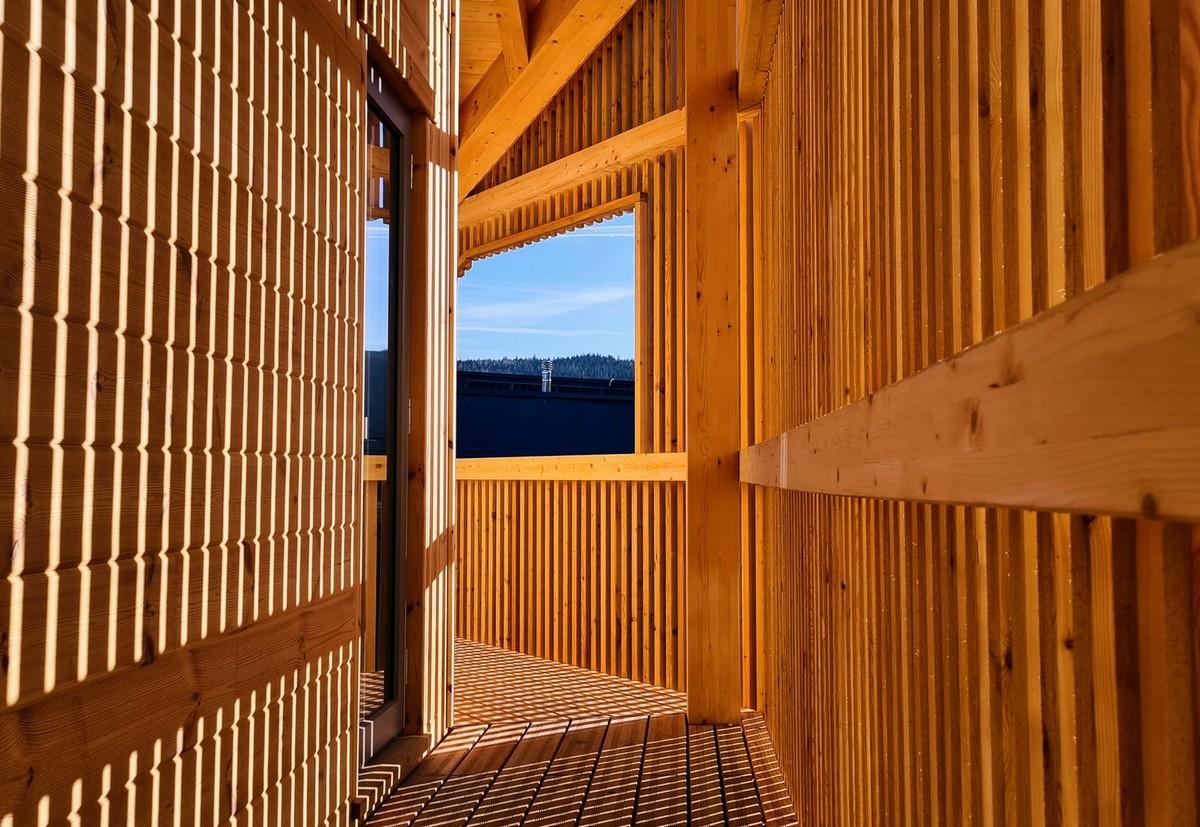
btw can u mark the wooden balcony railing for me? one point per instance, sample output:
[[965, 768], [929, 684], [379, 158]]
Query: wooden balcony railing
[[576, 559]]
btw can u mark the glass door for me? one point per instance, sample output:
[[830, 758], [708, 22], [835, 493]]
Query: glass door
[[385, 413]]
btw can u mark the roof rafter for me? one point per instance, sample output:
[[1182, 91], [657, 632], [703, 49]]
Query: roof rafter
[[625, 148], [512, 18], [562, 35]]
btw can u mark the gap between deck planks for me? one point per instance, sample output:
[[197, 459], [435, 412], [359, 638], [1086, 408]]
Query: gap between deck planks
[[638, 766]]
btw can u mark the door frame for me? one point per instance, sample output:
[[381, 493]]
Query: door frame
[[389, 720]]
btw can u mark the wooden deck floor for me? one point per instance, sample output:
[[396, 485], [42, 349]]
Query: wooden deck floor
[[540, 743]]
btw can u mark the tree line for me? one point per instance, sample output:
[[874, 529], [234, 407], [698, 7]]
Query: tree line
[[582, 366]]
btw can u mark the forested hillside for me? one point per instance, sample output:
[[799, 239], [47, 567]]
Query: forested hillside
[[583, 366]]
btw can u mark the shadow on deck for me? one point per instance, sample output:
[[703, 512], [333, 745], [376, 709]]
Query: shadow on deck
[[540, 743]]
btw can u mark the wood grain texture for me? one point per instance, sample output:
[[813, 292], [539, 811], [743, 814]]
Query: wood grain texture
[[649, 467], [948, 171], [584, 571], [430, 551], [544, 743], [1162, 786], [512, 17], [409, 35], [648, 140], [757, 22], [182, 460], [635, 202], [1087, 407], [1189, 115], [712, 319], [179, 330], [262, 677], [562, 35]]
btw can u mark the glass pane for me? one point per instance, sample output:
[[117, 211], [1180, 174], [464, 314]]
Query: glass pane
[[377, 685]]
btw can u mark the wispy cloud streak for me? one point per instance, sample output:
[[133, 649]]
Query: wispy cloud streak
[[542, 331], [527, 313]]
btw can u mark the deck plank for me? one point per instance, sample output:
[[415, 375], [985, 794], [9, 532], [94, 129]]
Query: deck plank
[[456, 800], [559, 800], [705, 802], [510, 797], [742, 806], [399, 809], [768, 776], [613, 792], [662, 795], [639, 764]]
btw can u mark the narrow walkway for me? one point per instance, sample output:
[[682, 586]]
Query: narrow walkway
[[539, 743]]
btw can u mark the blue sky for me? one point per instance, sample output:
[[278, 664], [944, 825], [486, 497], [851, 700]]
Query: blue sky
[[376, 318], [562, 296]]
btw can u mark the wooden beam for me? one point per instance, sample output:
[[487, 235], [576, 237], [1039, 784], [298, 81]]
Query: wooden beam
[[374, 467], [1088, 407], [558, 225], [646, 141], [757, 22], [70, 734], [644, 467], [562, 34], [714, 668], [512, 18]]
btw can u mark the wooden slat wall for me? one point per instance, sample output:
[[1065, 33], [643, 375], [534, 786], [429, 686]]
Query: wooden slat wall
[[180, 364], [932, 173], [583, 572], [630, 80], [411, 34], [432, 275]]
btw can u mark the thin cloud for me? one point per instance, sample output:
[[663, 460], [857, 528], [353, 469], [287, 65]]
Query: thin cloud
[[527, 313], [572, 291], [542, 331], [601, 231]]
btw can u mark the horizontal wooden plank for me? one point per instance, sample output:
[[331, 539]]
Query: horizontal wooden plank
[[1089, 407], [374, 468], [652, 467], [69, 735], [645, 141], [559, 225]]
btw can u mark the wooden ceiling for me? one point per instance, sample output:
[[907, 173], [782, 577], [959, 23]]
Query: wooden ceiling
[[516, 55], [480, 43]]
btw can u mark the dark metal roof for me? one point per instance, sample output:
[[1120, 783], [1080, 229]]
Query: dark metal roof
[[505, 415]]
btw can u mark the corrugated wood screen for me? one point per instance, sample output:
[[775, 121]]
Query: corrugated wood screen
[[433, 272], [179, 311], [419, 37], [929, 174], [581, 572], [632, 78]]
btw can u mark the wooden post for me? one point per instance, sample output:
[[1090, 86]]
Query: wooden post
[[713, 409]]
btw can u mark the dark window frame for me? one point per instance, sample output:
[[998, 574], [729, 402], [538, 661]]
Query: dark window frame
[[393, 717]]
